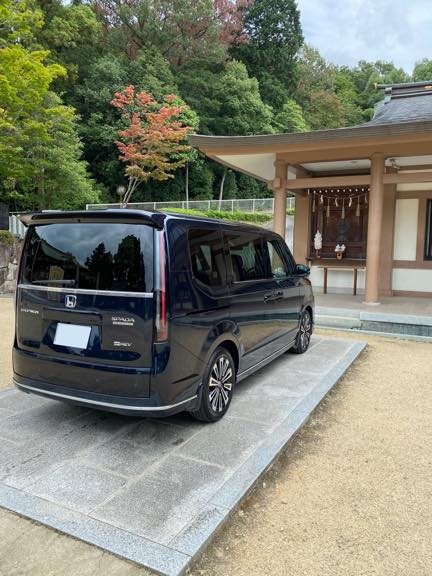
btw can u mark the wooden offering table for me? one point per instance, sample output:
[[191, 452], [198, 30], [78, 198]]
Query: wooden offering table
[[333, 264]]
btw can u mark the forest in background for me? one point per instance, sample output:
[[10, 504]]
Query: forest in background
[[242, 66]]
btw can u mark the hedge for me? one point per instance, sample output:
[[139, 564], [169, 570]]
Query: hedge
[[6, 238], [236, 215]]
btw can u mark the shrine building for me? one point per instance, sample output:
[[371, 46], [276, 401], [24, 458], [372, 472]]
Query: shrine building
[[367, 190]]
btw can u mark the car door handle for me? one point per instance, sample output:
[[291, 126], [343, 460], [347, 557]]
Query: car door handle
[[272, 296]]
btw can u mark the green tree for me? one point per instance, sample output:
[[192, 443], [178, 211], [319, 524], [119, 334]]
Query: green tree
[[226, 99], [36, 130], [365, 77], [274, 36], [326, 93], [423, 71], [73, 35], [188, 117], [18, 22], [290, 118]]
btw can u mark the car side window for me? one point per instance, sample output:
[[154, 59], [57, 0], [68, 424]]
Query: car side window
[[207, 257], [246, 253], [278, 265]]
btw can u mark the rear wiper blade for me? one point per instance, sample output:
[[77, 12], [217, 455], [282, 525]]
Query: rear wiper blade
[[66, 282]]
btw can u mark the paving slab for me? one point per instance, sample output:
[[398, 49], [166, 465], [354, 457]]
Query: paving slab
[[155, 491]]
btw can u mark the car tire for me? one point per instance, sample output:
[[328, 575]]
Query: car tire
[[304, 334], [217, 388]]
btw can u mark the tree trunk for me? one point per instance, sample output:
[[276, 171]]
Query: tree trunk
[[221, 188], [187, 185]]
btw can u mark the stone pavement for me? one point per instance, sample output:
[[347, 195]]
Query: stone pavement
[[155, 491]]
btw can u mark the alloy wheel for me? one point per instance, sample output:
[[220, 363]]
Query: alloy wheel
[[305, 330], [221, 383]]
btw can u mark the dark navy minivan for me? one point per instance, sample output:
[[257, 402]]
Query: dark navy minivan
[[150, 314]]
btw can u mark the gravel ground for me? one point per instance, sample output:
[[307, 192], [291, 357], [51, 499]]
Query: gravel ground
[[350, 496]]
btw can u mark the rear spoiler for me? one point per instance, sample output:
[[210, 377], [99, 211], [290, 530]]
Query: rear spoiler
[[155, 219]]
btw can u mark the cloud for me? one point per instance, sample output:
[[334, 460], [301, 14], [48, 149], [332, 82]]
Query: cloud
[[346, 31]]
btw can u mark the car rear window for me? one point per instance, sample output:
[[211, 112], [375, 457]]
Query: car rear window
[[94, 256]]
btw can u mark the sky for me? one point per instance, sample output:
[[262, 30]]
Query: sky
[[346, 31]]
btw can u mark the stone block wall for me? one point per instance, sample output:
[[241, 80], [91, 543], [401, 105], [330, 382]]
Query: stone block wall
[[9, 258]]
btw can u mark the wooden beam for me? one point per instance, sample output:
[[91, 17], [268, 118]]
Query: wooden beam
[[359, 180], [410, 178], [352, 151], [328, 182]]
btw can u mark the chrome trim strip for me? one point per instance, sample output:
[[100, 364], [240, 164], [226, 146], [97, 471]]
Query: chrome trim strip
[[107, 404], [266, 360], [84, 291]]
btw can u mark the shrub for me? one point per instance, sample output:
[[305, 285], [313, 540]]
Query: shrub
[[6, 238], [239, 216], [236, 215], [185, 211], [290, 212]]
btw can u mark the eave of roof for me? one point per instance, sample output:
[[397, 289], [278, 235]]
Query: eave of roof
[[278, 141]]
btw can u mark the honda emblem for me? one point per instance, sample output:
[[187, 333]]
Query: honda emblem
[[70, 301]]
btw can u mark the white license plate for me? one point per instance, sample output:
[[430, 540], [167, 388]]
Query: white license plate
[[72, 335]]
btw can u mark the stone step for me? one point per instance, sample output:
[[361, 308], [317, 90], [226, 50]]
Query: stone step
[[386, 328], [337, 321]]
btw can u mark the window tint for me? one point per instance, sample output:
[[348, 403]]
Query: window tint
[[93, 256], [247, 257], [278, 266], [207, 257], [428, 232]]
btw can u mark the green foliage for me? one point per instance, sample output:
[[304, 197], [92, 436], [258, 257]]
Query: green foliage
[[39, 148], [6, 238], [327, 93], [226, 99], [274, 35], [365, 77], [236, 215], [239, 216], [19, 20], [290, 118], [423, 71]]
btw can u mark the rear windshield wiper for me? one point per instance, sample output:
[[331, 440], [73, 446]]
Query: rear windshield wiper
[[66, 282]]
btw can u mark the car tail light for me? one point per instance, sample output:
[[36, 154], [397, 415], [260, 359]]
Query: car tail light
[[161, 324]]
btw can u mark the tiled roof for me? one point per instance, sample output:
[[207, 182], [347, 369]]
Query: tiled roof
[[404, 103]]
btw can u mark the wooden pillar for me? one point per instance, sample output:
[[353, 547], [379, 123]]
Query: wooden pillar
[[280, 197], [375, 218], [387, 240], [302, 218]]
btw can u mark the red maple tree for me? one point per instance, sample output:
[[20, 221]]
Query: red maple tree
[[153, 144], [229, 15]]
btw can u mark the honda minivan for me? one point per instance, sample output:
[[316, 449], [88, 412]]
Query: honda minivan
[[149, 313]]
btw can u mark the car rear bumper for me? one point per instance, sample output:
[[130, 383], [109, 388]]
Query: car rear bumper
[[117, 404]]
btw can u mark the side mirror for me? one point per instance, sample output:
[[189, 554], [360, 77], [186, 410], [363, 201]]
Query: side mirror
[[302, 270]]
